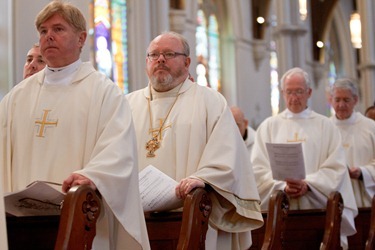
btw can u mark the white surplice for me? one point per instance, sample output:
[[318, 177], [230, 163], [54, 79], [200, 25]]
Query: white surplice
[[358, 140], [84, 126], [250, 137], [200, 139], [324, 160]]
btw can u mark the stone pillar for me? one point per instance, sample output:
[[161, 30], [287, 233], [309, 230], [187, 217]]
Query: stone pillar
[[366, 67]]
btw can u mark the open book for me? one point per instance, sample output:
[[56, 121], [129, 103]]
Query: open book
[[286, 160], [157, 190], [37, 199]]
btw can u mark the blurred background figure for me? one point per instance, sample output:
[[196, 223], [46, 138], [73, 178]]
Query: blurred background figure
[[358, 139], [370, 112], [247, 133], [34, 61]]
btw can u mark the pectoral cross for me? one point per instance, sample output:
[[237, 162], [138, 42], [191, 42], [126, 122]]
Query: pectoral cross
[[159, 130], [295, 139], [44, 122], [154, 144]]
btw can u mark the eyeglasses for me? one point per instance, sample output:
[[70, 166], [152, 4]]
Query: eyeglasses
[[298, 92], [167, 55]]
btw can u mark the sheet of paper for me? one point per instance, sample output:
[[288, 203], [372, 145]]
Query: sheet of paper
[[286, 160], [157, 190], [37, 199]]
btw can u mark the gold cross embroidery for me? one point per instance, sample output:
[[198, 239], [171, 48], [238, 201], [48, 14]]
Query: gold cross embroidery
[[156, 130], [346, 145], [295, 139], [44, 122]]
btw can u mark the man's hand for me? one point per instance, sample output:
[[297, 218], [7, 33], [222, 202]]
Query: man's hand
[[76, 179], [355, 173], [186, 185], [295, 188]]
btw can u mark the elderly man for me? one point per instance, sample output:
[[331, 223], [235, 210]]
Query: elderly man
[[188, 132], [358, 139], [70, 124], [324, 157]]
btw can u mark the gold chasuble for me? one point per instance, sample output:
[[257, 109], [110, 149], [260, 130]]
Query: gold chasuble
[[198, 137], [79, 122]]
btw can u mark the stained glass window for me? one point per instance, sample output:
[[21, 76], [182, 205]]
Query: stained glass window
[[109, 33], [207, 51]]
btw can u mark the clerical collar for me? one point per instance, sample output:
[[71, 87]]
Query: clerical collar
[[170, 93], [302, 115], [61, 76], [350, 121]]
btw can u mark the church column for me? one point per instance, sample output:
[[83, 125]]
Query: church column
[[6, 58], [289, 36], [184, 21], [366, 66]]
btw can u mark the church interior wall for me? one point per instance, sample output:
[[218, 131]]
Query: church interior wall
[[5, 47], [245, 60]]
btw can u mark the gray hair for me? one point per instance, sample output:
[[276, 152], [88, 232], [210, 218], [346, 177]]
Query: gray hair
[[345, 83], [181, 38], [295, 71]]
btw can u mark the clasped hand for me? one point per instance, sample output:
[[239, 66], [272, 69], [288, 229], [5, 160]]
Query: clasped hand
[[295, 188]]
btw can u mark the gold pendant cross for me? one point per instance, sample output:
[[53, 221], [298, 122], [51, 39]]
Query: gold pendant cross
[[152, 145]]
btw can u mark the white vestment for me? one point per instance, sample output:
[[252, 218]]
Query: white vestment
[[200, 139], [358, 140], [85, 126], [250, 137], [324, 160]]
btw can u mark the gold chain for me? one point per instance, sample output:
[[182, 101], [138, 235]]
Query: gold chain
[[154, 143]]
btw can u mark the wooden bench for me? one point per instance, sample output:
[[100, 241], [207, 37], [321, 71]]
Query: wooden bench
[[80, 211], [303, 229], [370, 243], [181, 230], [74, 229], [275, 224], [362, 225]]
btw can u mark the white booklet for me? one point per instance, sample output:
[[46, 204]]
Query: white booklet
[[37, 199], [286, 161], [157, 190]]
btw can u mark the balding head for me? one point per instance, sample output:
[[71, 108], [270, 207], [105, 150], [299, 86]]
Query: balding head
[[239, 117]]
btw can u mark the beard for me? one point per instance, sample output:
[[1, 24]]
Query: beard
[[166, 81]]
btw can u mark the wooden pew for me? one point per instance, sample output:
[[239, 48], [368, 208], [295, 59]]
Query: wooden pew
[[370, 243], [335, 207], [181, 230], [275, 225], [80, 211], [304, 229], [73, 229]]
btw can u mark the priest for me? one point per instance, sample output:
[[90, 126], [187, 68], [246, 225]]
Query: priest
[[70, 124], [358, 139], [324, 158], [188, 132]]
